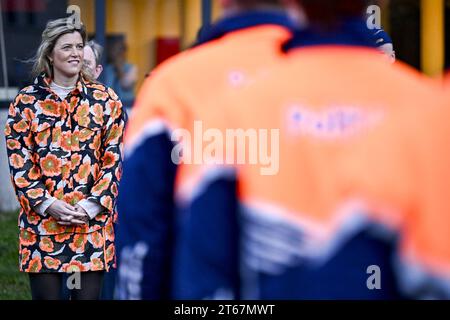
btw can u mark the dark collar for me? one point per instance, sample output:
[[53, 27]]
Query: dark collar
[[241, 21], [351, 32], [43, 81]]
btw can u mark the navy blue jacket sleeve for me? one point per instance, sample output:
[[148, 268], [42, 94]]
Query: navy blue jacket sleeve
[[145, 232], [207, 250]]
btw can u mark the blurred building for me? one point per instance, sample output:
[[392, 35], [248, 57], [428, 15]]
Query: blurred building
[[155, 29]]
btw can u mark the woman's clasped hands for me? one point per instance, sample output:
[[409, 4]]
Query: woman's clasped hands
[[66, 214]]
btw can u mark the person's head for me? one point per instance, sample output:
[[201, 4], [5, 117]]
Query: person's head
[[238, 5], [61, 50], [384, 43], [116, 49], [92, 58], [326, 14]]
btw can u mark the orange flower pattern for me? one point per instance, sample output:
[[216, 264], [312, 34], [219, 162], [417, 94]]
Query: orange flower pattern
[[34, 266], [52, 263], [67, 252], [78, 243], [34, 219], [74, 266], [27, 237], [68, 149], [97, 264], [25, 256], [62, 237], [46, 244]]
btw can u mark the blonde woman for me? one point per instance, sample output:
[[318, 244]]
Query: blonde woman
[[64, 141]]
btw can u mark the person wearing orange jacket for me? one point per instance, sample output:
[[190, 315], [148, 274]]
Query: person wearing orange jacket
[[329, 218], [229, 54]]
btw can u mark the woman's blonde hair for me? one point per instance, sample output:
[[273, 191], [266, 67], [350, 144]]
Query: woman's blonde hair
[[53, 31]]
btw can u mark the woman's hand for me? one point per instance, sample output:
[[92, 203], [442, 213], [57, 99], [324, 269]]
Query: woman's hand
[[65, 214], [85, 217]]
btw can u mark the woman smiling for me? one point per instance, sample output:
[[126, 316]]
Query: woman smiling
[[64, 142]]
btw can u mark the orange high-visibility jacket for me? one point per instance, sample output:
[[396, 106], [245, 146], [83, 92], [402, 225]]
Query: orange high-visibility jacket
[[347, 158]]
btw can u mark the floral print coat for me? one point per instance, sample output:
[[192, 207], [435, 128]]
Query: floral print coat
[[69, 149]]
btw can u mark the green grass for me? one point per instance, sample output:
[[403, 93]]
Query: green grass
[[13, 284]]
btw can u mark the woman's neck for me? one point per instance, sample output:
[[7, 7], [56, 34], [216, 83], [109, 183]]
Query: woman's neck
[[64, 81]]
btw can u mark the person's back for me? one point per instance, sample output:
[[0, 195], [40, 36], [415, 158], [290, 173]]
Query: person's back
[[303, 229], [238, 49]]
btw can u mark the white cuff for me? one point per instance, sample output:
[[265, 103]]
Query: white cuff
[[91, 207], [42, 207]]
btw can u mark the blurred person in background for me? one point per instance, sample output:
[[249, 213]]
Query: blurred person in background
[[382, 39], [93, 58], [384, 43], [119, 74], [242, 46], [64, 142], [350, 211]]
